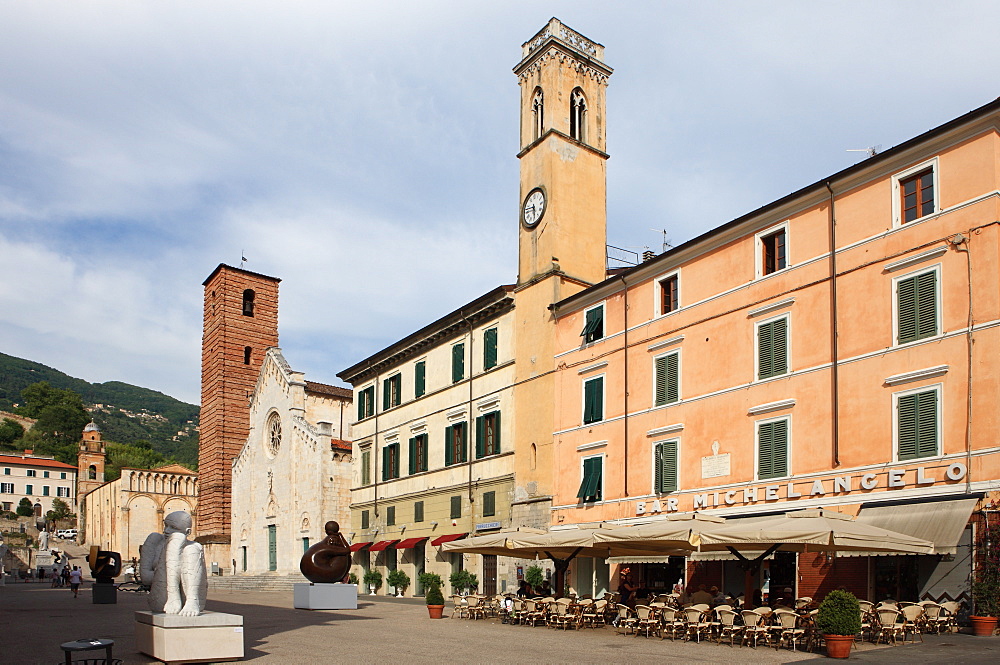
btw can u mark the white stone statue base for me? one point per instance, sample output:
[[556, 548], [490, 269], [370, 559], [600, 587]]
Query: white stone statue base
[[310, 596], [209, 637]]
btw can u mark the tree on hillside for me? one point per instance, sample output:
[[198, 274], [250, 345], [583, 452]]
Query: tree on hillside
[[24, 508], [133, 456], [61, 419], [10, 431], [60, 510]]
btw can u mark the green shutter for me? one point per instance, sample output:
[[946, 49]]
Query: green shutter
[[418, 511], [386, 394], [593, 328], [480, 437], [385, 463], [917, 425], [364, 519], [489, 504], [916, 306], [361, 404], [423, 449], [456, 507], [366, 467], [772, 449], [772, 349], [666, 467], [667, 379], [496, 432], [490, 348], [463, 449], [449, 438], [390, 516], [590, 487], [419, 373], [457, 363], [413, 455], [395, 460], [593, 400]]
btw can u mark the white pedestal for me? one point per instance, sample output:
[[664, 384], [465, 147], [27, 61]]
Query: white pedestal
[[210, 637], [326, 596]]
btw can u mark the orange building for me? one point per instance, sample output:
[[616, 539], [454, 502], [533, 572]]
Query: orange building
[[838, 347]]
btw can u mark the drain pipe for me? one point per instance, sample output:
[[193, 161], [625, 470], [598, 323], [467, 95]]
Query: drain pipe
[[961, 244], [625, 396], [834, 338]]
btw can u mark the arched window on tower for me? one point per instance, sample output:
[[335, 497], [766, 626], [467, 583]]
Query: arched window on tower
[[246, 355], [248, 297], [92, 472], [537, 114], [577, 114]]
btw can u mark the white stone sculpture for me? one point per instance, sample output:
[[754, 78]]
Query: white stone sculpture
[[43, 540], [174, 568]]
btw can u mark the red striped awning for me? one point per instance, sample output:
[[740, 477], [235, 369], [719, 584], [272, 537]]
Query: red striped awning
[[359, 546], [409, 542], [381, 545], [447, 539]]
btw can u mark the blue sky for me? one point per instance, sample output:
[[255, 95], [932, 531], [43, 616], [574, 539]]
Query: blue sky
[[366, 156]]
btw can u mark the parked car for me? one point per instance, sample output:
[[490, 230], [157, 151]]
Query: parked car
[[67, 534]]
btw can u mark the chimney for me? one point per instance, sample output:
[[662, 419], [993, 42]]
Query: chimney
[[648, 255]]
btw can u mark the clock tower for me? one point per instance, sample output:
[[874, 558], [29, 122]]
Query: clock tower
[[562, 227]]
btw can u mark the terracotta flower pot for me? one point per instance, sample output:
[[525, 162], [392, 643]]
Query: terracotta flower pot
[[435, 611], [838, 646], [983, 626]]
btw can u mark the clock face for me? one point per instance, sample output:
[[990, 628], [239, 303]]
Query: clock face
[[534, 208]]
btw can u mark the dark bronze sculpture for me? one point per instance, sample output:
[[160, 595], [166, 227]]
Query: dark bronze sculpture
[[104, 566], [327, 561]]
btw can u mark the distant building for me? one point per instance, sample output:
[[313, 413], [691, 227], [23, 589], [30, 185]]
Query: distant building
[[38, 479], [90, 460]]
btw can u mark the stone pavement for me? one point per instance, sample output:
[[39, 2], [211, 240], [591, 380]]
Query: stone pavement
[[35, 619]]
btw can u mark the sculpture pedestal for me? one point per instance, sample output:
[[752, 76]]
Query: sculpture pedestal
[[210, 637], [104, 593], [310, 596]]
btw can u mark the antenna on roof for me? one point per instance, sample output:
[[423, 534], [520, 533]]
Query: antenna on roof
[[666, 241], [872, 150], [243, 258]]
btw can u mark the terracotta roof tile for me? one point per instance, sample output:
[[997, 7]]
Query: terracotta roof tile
[[324, 389], [34, 461]]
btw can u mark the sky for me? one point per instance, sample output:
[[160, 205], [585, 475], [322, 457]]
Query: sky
[[366, 155]]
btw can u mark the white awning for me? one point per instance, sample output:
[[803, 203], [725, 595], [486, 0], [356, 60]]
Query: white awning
[[940, 522], [638, 559]]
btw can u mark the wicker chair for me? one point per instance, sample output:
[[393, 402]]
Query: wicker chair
[[889, 625], [728, 626], [646, 620], [914, 621], [593, 614], [790, 629], [460, 609], [697, 623], [625, 622], [754, 628], [672, 623]]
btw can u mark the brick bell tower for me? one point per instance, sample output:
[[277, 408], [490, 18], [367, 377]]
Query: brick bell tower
[[240, 324], [90, 461]]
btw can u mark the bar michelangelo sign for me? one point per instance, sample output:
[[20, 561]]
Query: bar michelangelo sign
[[890, 479]]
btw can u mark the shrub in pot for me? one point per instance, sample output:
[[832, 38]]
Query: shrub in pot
[[427, 580], [373, 580], [839, 619], [399, 580], [460, 581], [986, 584], [435, 601]]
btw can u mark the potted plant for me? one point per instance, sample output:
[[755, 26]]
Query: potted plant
[[427, 580], [435, 601], [839, 619], [373, 580], [398, 580], [986, 583]]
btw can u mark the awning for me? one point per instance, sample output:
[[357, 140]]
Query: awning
[[447, 539], [381, 545], [409, 543], [940, 522], [638, 559], [358, 546]]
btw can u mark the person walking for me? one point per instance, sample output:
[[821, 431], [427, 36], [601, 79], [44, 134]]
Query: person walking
[[65, 574], [75, 578]]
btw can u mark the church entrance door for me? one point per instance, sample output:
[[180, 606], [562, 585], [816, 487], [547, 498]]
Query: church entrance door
[[272, 547]]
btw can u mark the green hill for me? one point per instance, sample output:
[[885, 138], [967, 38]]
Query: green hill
[[125, 413]]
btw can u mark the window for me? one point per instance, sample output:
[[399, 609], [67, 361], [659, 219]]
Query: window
[[6, 471], [390, 516], [62, 476], [917, 195], [32, 473], [366, 403], [489, 504], [537, 114], [456, 507], [419, 379], [248, 298], [917, 424], [772, 348], [665, 466], [593, 327], [772, 449], [365, 519], [488, 434], [45, 474], [45, 490], [773, 254], [62, 491], [916, 307], [6, 488], [366, 466], [29, 489], [668, 294], [667, 378], [418, 511], [390, 461], [246, 355], [273, 436], [593, 400], [392, 391], [454, 444], [489, 348], [457, 363], [305, 545], [418, 453], [577, 114], [590, 487], [92, 472]]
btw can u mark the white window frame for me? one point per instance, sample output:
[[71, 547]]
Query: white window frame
[[935, 268], [676, 351], [658, 293], [897, 202], [652, 457], [604, 401], [938, 388], [62, 492], [604, 322], [6, 488], [399, 395], [756, 449], [758, 249], [375, 396], [603, 457], [756, 346]]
